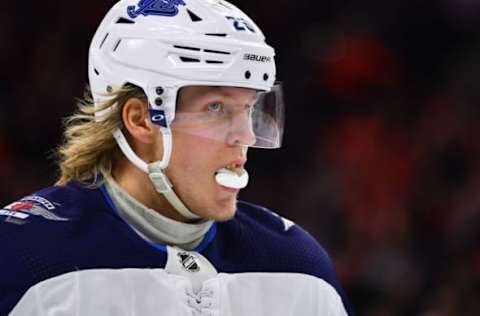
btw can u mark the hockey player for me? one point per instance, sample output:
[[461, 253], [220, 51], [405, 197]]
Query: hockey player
[[144, 219]]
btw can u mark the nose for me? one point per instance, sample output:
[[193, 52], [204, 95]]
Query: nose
[[241, 132]]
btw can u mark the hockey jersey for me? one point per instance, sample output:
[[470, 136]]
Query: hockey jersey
[[65, 250]]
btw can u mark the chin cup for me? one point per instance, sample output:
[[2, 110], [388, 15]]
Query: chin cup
[[231, 179]]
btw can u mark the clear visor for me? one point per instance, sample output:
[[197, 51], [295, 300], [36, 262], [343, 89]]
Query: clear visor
[[234, 116]]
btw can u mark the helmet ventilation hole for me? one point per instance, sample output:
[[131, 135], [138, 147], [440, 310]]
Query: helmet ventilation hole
[[193, 16], [186, 47], [265, 76], [214, 61], [248, 74], [124, 21], [189, 60], [216, 51], [104, 39], [216, 34], [116, 45]]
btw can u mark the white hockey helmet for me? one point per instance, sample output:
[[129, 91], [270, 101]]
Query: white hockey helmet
[[164, 45]]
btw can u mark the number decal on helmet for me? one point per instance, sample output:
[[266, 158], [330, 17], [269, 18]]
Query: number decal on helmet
[[241, 24]]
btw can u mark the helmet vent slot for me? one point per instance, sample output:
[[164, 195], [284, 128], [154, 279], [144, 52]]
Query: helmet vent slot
[[116, 45], [189, 60], [214, 61], [104, 39], [186, 47], [216, 51], [96, 71], [216, 34], [193, 16], [124, 21]]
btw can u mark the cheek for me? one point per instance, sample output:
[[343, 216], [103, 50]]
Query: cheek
[[194, 155]]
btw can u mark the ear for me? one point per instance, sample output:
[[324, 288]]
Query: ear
[[136, 120]]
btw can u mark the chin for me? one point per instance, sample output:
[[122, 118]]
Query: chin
[[223, 211]]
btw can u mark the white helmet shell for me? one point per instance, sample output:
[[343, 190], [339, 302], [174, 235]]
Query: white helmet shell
[[163, 45]]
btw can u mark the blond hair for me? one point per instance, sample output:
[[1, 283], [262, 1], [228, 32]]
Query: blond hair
[[88, 147]]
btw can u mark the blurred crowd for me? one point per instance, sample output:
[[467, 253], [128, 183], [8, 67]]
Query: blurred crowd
[[380, 160]]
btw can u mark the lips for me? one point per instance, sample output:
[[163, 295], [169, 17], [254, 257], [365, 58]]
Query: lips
[[239, 170], [236, 166]]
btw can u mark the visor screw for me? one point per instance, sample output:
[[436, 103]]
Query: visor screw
[[109, 89], [159, 90], [158, 101], [265, 77], [248, 74]]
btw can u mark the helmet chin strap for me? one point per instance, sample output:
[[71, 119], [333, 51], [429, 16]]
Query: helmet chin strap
[[155, 170]]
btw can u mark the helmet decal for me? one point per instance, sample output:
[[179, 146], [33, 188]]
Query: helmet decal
[[155, 7], [241, 24], [158, 117]]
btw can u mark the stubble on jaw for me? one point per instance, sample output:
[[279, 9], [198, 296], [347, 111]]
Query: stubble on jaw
[[219, 213]]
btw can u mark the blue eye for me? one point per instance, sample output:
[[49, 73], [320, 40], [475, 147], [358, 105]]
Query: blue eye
[[215, 107]]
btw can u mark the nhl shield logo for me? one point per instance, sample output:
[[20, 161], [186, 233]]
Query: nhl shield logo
[[188, 262], [155, 7]]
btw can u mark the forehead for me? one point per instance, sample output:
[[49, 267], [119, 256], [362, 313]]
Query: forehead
[[207, 93]]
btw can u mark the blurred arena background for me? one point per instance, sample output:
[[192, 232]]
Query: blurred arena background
[[381, 157]]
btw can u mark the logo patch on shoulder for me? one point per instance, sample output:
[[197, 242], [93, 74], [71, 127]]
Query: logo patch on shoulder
[[287, 224], [155, 7], [19, 212]]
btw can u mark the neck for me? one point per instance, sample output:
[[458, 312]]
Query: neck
[[151, 225], [138, 185]]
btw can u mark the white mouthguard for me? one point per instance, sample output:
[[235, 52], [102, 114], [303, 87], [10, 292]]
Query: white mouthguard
[[231, 179]]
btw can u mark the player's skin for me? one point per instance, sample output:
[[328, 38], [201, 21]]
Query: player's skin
[[200, 148]]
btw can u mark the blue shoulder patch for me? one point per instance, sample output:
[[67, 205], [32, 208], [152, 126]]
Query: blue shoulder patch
[[155, 7]]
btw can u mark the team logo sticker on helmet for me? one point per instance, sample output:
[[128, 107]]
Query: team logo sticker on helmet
[[155, 7], [18, 212]]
